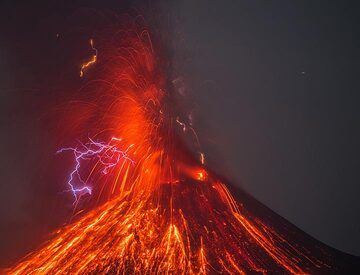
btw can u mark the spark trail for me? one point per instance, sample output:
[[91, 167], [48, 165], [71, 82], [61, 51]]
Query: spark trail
[[92, 61], [166, 213]]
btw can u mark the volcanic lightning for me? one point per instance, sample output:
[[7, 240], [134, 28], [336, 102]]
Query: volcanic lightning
[[165, 212], [106, 155]]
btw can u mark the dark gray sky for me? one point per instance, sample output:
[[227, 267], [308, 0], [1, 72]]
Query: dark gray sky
[[277, 84], [276, 107]]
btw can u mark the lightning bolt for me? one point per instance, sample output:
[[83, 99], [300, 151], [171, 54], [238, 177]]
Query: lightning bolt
[[108, 155]]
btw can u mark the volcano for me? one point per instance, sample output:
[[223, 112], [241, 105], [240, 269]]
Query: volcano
[[160, 210], [187, 227]]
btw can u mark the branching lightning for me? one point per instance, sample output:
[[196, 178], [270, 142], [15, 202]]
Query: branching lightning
[[107, 154]]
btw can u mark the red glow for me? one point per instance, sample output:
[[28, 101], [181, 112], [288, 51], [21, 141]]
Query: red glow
[[164, 212]]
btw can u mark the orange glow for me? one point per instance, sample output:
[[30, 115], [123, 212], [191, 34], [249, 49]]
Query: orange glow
[[157, 217], [201, 175], [92, 61]]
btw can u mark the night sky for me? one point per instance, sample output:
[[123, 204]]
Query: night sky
[[276, 92], [278, 88]]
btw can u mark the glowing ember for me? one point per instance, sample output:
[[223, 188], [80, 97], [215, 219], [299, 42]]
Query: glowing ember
[[201, 175]]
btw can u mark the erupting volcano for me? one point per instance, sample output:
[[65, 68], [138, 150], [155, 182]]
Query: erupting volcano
[[158, 208]]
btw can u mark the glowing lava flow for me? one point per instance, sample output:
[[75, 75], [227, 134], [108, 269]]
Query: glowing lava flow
[[166, 213]]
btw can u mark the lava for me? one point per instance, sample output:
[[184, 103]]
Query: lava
[[165, 212]]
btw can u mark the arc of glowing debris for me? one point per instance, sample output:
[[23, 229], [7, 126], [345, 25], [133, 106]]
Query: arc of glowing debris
[[91, 61], [184, 129]]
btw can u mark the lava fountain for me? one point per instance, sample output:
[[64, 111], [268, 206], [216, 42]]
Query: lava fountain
[[162, 210]]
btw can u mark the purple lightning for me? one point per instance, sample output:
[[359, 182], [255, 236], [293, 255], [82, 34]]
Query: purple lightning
[[108, 154]]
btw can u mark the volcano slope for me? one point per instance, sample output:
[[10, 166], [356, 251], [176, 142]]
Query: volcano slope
[[165, 212], [189, 226]]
